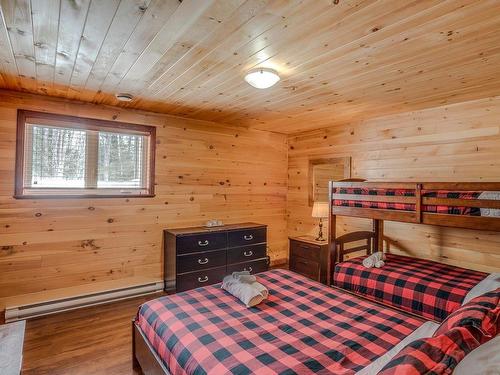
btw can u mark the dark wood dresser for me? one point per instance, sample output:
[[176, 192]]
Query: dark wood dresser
[[201, 256], [309, 258]]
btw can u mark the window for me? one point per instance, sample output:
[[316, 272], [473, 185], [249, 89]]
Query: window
[[65, 156]]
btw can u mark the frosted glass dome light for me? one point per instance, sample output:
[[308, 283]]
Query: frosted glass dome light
[[262, 78]]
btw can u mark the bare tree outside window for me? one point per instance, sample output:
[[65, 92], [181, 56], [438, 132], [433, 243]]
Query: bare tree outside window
[[70, 156]]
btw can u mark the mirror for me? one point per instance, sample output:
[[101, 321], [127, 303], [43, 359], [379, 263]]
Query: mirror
[[323, 170]]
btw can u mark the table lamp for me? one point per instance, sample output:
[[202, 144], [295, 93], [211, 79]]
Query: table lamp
[[320, 210]]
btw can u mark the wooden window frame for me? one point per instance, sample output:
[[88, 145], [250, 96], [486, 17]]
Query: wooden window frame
[[84, 124]]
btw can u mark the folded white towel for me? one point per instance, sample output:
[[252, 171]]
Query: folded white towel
[[250, 294], [374, 259]]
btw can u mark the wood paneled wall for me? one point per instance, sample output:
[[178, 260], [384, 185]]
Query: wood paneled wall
[[203, 170], [459, 142]]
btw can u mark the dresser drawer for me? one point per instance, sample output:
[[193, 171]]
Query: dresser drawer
[[200, 261], [201, 242], [305, 250], [306, 267], [256, 266], [247, 237], [245, 253], [193, 280]]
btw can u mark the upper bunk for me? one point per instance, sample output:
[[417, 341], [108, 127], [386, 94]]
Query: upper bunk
[[471, 205]]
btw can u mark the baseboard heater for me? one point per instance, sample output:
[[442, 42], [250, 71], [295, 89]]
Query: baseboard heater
[[28, 311]]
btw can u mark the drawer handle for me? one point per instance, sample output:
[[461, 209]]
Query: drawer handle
[[203, 279], [248, 253], [203, 261], [249, 269], [204, 243], [248, 238]]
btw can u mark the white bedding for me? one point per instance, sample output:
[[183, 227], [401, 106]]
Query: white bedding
[[491, 282], [486, 357], [491, 212], [425, 330], [485, 360]]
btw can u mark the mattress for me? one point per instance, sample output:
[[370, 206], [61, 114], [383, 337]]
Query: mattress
[[303, 328], [453, 210], [430, 289]]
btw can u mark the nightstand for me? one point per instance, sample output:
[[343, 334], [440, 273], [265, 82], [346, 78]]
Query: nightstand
[[310, 258]]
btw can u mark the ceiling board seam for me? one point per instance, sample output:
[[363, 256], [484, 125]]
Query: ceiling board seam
[[157, 80], [149, 44], [10, 41], [121, 48], [79, 44], [100, 46], [57, 43]]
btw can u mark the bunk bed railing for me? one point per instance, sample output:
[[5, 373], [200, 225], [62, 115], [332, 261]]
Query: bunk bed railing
[[424, 203], [363, 242], [447, 204]]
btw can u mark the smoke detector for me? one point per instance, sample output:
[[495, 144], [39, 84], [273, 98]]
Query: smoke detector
[[123, 97]]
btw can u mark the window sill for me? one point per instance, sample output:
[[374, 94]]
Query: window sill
[[83, 196]]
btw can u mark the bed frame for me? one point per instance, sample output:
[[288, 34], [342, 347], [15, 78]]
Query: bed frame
[[146, 359], [339, 246]]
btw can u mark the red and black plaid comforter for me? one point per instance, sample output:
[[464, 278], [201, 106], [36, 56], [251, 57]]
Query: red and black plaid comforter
[[452, 210], [426, 288], [303, 328]]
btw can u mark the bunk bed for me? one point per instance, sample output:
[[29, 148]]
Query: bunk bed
[[430, 289]]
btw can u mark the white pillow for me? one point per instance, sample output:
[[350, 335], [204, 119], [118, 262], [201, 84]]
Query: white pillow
[[484, 360], [425, 330], [490, 283], [491, 212]]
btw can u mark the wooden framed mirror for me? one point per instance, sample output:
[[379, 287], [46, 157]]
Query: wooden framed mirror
[[323, 170]]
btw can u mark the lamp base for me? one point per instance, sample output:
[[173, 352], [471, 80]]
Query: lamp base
[[320, 233]]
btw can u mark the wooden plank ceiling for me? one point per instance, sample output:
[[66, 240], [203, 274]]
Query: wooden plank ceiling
[[339, 60]]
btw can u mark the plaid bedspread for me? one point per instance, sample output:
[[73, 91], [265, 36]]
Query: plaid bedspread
[[430, 289], [452, 210], [303, 328]]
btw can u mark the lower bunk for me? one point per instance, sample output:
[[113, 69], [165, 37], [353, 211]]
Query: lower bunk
[[420, 286], [304, 327]]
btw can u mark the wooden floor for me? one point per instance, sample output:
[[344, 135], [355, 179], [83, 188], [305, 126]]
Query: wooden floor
[[90, 341]]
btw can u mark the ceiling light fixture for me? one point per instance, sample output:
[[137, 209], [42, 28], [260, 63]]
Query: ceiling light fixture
[[124, 97], [262, 78]]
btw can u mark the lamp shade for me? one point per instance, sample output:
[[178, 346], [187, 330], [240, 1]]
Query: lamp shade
[[320, 209]]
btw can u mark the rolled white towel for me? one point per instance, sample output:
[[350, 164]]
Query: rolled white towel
[[246, 293], [261, 288], [371, 261], [244, 277]]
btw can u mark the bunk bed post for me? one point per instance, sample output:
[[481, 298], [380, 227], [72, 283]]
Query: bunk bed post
[[332, 235], [378, 231], [418, 202]]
